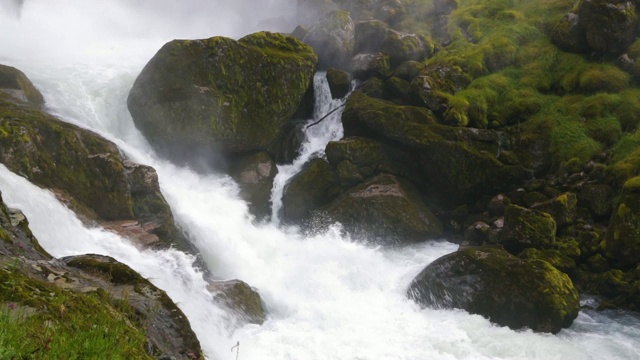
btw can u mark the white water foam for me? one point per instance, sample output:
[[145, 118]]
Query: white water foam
[[327, 297]]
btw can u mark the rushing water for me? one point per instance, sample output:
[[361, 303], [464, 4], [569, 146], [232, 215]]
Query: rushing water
[[327, 296]]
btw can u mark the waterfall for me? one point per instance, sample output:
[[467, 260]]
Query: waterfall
[[327, 296]]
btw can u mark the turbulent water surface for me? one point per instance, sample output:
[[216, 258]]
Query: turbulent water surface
[[327, 297]]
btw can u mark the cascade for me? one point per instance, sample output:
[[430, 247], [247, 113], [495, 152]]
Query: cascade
[[326, 295]]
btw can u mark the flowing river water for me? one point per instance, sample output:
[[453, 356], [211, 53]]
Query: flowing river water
[[327, 297]]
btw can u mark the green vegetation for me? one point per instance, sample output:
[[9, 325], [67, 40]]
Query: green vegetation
[[41, 321]]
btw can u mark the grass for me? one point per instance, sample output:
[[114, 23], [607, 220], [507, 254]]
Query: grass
[[62, 324]]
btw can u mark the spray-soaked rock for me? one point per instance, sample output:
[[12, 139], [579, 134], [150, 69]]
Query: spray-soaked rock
[[332, 38], [239, 297], [15, 83], [501, 287], [201, 101], [254, 173]]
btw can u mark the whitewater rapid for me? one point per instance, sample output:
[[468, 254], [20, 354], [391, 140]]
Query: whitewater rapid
[[327, 297]]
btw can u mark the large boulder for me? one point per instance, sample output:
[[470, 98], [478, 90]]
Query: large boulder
[[384, 209], [15, 83], [403, 47], [339, 83], [364, 66], [569, 35], [433, 87], [332, 37], [501, 287], [369, 36], [240, 298], [622, 242], [200, 99], [610, 26]]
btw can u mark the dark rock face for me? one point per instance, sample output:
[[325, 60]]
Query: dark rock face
[[490, 282], [332, 38], [255, 173], [213, 98], [623, 234], [369, 36], [339, 83], [610, 26], [384, 208], [569, 35], [314, 186]]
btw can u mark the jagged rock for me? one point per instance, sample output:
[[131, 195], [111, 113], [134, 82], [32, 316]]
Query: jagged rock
[[501, 287], [622, 242], [254, 174], [314, 186], [332, 38], [369, 36], [15, 83], [610, 26], [525, 228], [240, 298], [201, 101], [364, 66], [339, 83], [386, 209]]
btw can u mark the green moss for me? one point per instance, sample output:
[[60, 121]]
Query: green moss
[[605, 77]]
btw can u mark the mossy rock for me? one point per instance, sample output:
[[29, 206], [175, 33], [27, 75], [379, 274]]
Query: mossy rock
[[339, 83], [332, 37], [369, 36], [15, 83], [623, 234], [408, 70], [255, 173], [403, 47], [54, 154], [435, 85], [610, 25], [389, 11], [598, 198], [367, 158], [556, 258], [569, 35], [372, 88], [384, 209], [364, 66], [397, 91], [203, 100], [240, 298], [458, 164], [501, 287], [315, 185], [527, 228], [563, 208]]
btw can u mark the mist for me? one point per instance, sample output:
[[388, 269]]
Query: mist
[[100, 31]]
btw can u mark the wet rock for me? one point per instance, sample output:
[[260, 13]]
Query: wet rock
[[254, 174], [369, 36], [501, 287], [403, 47], [597, 198], [310, 11], [15, 83], [610, 26], [364, 66], [240, 298], [384, 209], [623, 234], [569, 35], [562, 208]]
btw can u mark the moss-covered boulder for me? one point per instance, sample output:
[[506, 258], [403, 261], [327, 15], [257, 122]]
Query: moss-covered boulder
[[240, 298], [622, 243], [389, 11], [358, 158], [254, 174], [598, 198], [315, 185], [501, 287], [569, 35], [384, 209], [16, 239], [527, 228], [563, 208], [15, 83], [436, 83], [199, 100], [556, 258], [458, 164], [332, 38], [339, 83], [364, 66], [403, 47], [610, 26], [167, 328], [369, 36]]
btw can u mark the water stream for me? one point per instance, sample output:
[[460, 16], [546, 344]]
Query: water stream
[[327, 297]]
